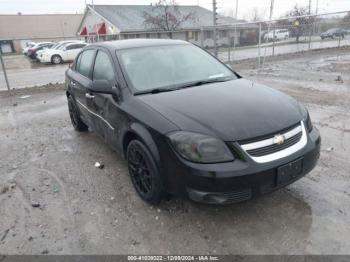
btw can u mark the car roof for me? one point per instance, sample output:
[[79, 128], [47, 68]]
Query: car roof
[[70, 41], [43, 43], [76, 43], [132, 43]]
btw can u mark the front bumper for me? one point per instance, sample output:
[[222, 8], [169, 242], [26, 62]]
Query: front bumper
[[43, 59], [240, 180]]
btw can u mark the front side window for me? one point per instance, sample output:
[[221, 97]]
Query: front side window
[[103, 68], [147, 68], [85, 62]]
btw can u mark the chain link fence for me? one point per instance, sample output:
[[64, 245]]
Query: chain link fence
[[263, 40], [257, 41]]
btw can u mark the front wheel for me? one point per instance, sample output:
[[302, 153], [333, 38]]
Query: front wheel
[[56, 59], [144, 173]]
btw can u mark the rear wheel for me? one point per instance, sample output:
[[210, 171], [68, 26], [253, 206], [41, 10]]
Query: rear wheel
[[56, 59], [144, 173], [77, 123]]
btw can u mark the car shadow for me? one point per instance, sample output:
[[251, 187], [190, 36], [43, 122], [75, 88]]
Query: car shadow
[[276, 223]]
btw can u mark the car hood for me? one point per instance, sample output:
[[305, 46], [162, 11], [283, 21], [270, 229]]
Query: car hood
[[233, 110]]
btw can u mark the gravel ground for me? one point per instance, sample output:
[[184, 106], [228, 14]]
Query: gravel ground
[[53, 200]]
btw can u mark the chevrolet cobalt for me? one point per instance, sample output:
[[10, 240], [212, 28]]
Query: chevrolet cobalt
[[187, 124]]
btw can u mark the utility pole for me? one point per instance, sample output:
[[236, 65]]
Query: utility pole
[[311, 27], [315, 19], [235, 31], [215, 23], [309, 7], [4, 70], [270, 18], [273, 35]]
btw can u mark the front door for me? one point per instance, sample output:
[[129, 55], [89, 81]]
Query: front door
[[105, 105]]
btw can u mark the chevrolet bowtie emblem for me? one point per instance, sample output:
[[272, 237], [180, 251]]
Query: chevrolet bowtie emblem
[[279, 139]]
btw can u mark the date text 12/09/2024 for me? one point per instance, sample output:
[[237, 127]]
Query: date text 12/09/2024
[[174, 258]]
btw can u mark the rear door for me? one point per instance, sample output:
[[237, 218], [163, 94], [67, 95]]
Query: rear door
[[80, 79]]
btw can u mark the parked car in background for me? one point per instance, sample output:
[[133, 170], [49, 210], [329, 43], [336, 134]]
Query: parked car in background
[[277, 34], [333, 33], [63, 53], [187, 124], [31, 53], [56, 46], [28, 45]]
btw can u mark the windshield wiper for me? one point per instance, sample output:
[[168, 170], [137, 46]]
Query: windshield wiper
[[203, 82], [180, 86], [155, 91]]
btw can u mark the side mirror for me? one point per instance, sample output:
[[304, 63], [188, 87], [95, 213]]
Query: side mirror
[[104, 87], [101, 86]]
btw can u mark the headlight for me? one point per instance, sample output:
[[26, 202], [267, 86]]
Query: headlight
[[307, 119], [200, 148], [308, 122]]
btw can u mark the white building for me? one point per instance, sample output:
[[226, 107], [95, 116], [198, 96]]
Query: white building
[[108, 22]]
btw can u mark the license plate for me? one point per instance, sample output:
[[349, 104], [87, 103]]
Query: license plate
[[289, 172]]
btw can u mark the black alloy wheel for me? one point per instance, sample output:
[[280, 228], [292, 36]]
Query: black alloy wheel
[[144, 173]]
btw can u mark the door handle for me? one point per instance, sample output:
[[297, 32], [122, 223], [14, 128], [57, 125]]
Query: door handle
[[87, 95]]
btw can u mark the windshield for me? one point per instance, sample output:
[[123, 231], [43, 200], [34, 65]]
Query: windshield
[[62, 46], [154, 67], [55, 46]]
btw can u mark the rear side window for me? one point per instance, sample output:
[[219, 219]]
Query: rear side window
[[85, 61], [103, 69]]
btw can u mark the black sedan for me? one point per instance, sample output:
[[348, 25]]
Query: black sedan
[[333, 33], [187, 124]]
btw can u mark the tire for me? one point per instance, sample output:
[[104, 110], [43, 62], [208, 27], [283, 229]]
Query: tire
[[56, 59], [77, 123], [144, 173]]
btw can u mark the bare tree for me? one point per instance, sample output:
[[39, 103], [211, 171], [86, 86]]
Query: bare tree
[[166, 16], [301, 24], [347, 17], [255, 14]]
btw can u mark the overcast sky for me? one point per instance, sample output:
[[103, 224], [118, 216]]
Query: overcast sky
[[225, 6]]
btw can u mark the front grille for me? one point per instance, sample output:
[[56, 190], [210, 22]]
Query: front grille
[[270, 149], [276, 146]]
